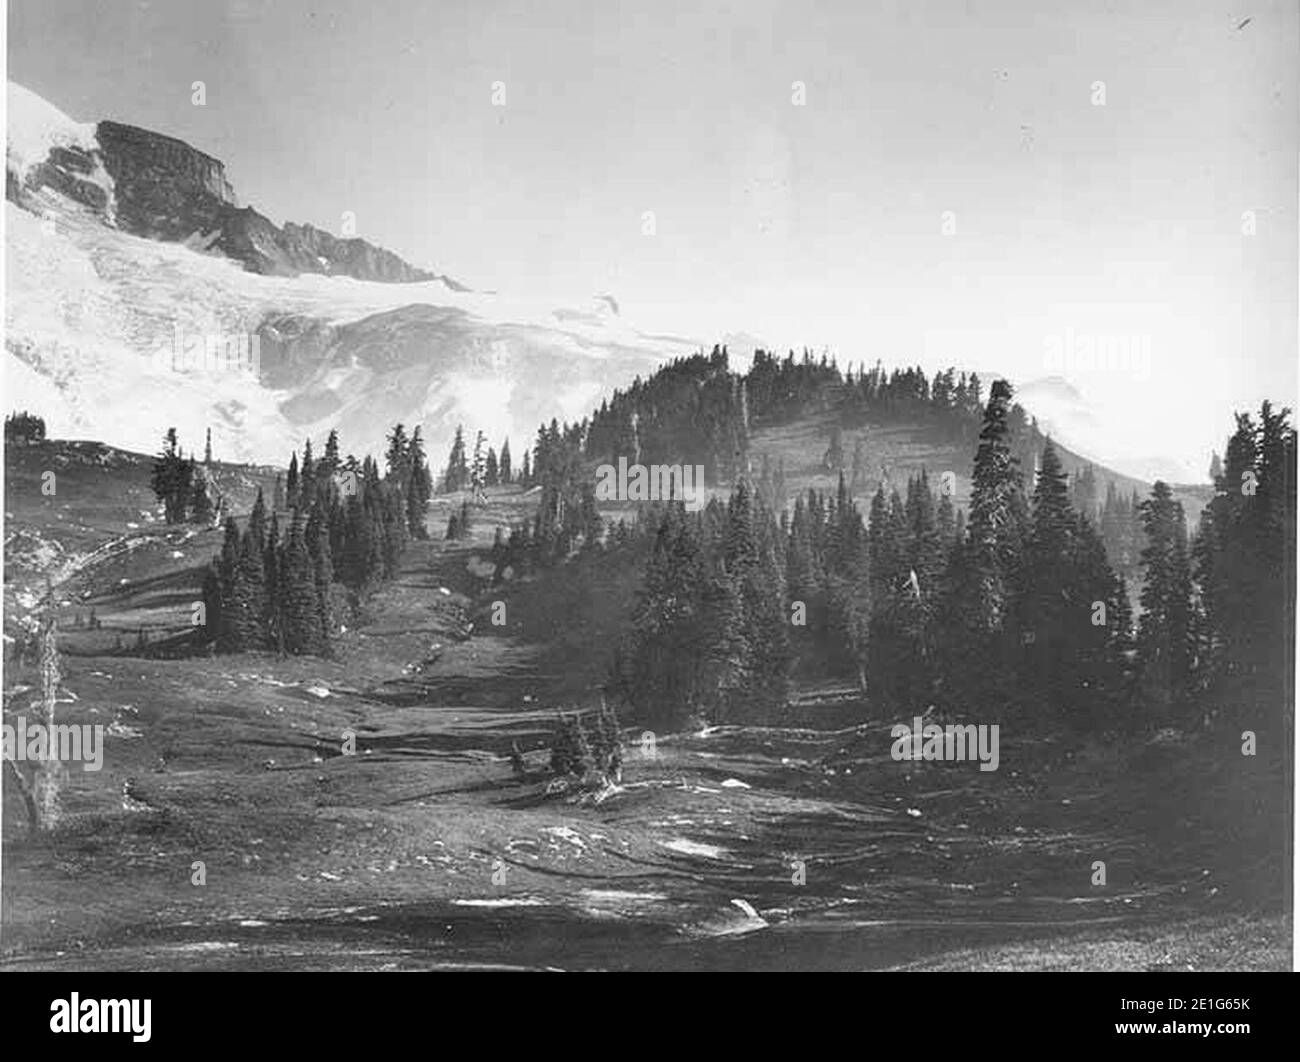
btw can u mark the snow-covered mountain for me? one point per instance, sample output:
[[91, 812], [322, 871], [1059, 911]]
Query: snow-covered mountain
[[124, 246], [1066, 414]]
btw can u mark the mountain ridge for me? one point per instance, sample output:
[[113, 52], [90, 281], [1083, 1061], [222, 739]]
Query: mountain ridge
[[161, 187]]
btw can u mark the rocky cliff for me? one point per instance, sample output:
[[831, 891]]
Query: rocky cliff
[[161, 188], [165, 189]]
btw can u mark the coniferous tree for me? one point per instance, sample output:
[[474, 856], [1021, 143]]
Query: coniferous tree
[[272, 563], [393, 523], [1244, 557], [201, 510], [318, 546], [291, 483], [1070, 607], [418, 486], [398, 457], [505, 471], [257, 523], [660, 671], [329, 464], [980, 643], [171, 479], [212, 604], [457, 474], [246, 609], [356, 565], [24, 428], [1164, 640], [226, 565], [302, 629], [307, 478]]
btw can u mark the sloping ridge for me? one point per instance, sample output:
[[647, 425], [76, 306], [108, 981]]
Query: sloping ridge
[[159, 187]]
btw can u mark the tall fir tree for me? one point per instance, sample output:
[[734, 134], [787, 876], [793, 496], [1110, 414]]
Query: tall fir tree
[[246, 610], [302, 629], [318, 546], [457, 474], [1165, 632], [506, 472]]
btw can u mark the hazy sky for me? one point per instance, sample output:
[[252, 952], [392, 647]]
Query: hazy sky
[[817, 224]]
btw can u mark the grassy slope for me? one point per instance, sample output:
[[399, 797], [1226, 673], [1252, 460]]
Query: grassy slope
[[905, 450], [393, 857]]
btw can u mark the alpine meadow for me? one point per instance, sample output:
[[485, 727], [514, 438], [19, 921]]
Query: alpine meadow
[[707, 487]]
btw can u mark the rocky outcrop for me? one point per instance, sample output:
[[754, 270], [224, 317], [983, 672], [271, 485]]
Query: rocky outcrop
[[71, 170], [166, 190], [353, 257], [161, 188]]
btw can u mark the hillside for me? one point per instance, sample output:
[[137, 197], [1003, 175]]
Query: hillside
[[423, 850]]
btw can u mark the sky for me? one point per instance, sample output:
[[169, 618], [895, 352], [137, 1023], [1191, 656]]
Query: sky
[[998, 185]]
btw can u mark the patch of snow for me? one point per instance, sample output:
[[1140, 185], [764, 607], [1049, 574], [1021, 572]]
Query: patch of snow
[[565, 833], [522, 901], [696, 848], [621, 896], [34, 126]]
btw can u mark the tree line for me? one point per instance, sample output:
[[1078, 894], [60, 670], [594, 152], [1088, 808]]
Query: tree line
[[695, 410], [348, 525], [23, 427], [481, 469], [183, 486], [1012, 611]]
